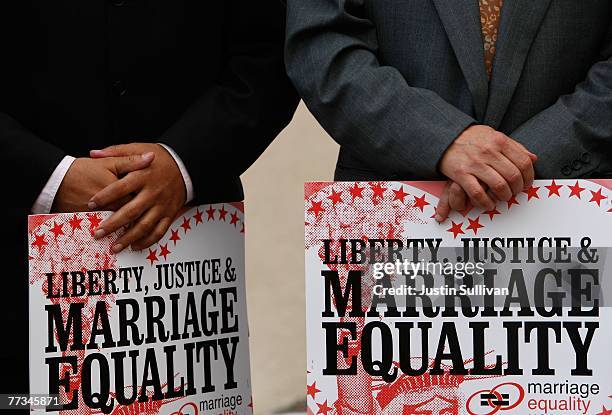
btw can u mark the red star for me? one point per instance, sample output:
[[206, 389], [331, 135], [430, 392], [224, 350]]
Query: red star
[[597, 197], [222, 213], [234, 219], [512, 201], [57, 229], [312, 390], [531, 192], [316, 208], [400, 194], [605, 411], [456, 229], [198, 216], [420, 202], [94, 220], [152, 256], [242, 230], [492, 213], [474, 225], [335, 197], [576, 190], [356, 191], [553, 189], [175, 236], [186, 225], [323, 408], [164, 251], [211, 213], [75, 223], [378, 191], [39, 241]]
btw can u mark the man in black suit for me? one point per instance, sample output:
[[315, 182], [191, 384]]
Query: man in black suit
[[187, 94]]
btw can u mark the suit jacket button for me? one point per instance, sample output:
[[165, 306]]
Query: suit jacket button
[[118, 3], [576, 165], [566, 170], [119, 88], [585, 158]]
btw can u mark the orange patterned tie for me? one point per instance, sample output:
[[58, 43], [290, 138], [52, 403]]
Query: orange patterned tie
[[490, 10]]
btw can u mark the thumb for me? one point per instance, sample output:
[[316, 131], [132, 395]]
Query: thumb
[[128, 164]]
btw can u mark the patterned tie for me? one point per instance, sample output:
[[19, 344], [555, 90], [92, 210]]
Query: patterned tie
[[490, 10]]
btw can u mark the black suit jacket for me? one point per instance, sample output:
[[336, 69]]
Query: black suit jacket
[[396, 81], [205, 77]]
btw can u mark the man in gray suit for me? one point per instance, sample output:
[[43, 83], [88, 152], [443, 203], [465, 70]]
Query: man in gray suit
[[488, 94]]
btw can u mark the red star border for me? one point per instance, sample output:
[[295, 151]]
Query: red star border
[[335, 197], [420, 202], [553, 189], [323, 408], [312, 390], [198, 216], [576, 190], [456, 229], [356, 191], [400, 194]]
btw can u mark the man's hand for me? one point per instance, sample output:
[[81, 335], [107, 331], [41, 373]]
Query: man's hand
[[86, 177], [159, 192], [483, 166]]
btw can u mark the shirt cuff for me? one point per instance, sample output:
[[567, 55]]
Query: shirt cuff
[[44, 201], [186, 178]]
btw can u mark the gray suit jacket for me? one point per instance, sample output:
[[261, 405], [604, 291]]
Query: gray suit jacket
[[394, 82]]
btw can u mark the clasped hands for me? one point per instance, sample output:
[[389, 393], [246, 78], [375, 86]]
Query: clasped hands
[[483, 166], [140, 182]]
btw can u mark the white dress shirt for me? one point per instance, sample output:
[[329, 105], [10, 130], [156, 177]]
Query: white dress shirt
[[44, 201]]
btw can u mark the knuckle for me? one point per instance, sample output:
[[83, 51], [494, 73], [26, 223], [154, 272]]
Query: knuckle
[[499, 139], [524, 163], [499, 186], [131, 213], [476, 193], [515, 177]]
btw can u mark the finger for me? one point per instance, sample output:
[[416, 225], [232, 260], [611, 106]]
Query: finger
[[532, 156], [153, 237], [117, 150], [476, 192], [457, 198], [126, 214], [116, 191], [443, 208], [520, 157], [141, 228], [509, 172], [128, 164], [495, 182]]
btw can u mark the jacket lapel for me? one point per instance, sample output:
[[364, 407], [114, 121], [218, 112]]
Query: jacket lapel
[[520, 21], [461, 20]]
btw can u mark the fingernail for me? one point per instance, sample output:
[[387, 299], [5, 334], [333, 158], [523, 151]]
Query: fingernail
[[92, 205], [95, 152], [117, 248], [148, 156], [99, 233]]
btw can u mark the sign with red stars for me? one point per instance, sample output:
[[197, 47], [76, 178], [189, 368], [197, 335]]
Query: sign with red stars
[[172, 315], [373, 348]]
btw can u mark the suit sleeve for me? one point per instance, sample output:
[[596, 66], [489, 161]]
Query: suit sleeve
[[27, 163], [573, 137], [236, 119], [365, 106]]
